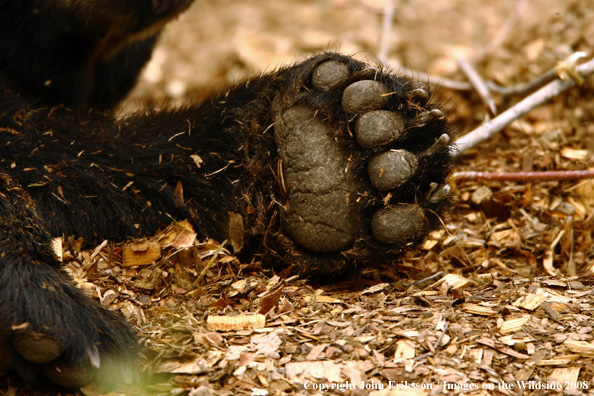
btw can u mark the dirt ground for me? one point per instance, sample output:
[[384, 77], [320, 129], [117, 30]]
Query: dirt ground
[[500, 301]]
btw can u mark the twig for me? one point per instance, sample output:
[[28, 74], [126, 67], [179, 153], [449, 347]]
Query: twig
[[455, 85], [386, 35], [424, 281], [423, 356], [490, 128], [521, 89], [437, 81], [445, 328], [505, 30], [524, 176], [477, 82]]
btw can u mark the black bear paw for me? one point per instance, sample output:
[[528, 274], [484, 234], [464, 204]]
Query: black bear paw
[[364, 158], [52, 334]]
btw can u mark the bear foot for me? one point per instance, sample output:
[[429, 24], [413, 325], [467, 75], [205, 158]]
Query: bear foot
[[51, 334], [363, 161]]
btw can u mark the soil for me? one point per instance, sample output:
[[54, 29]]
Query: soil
[[500, 299]]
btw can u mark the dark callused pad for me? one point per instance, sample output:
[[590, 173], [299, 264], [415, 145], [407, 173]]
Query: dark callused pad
[[398, 224], [329, 75], [391, 169], [378, 128], [320, 214], [364, 96], [37, 348]]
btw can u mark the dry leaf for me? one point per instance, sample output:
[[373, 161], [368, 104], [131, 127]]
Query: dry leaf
[[185, 239], [270, 300], [178, 193]]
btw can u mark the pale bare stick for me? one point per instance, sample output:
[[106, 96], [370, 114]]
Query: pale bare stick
[[549, 91], [386, 35], [521, 89], [479, 84], [510, 23], [433, 80], [530, 86]]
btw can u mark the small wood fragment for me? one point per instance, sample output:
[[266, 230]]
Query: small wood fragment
[[455, 282], [376, 288], [565, 376], [552, 312], [315, 352], [582, 347], [547, 262], [481, 194], [323, 299], [511, 340], [236, 231], [198, 161], [570, 153], [196, 366], [513, 325], [530, 301], [508, 351], [239, 322], [559, 360], [57, 246], [476, 354], [404, 351], [479, 310], [141, 253]]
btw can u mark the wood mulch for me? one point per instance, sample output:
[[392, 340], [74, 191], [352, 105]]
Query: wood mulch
[[215, 326]]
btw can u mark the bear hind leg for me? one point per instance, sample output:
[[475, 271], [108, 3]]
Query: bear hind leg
[[49, 330]]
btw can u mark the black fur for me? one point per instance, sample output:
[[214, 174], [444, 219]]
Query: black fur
[[78, 53], [68, 170]]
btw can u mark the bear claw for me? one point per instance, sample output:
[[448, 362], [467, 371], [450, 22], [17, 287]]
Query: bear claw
[[419, 96], [427, 117], [438, 193]]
